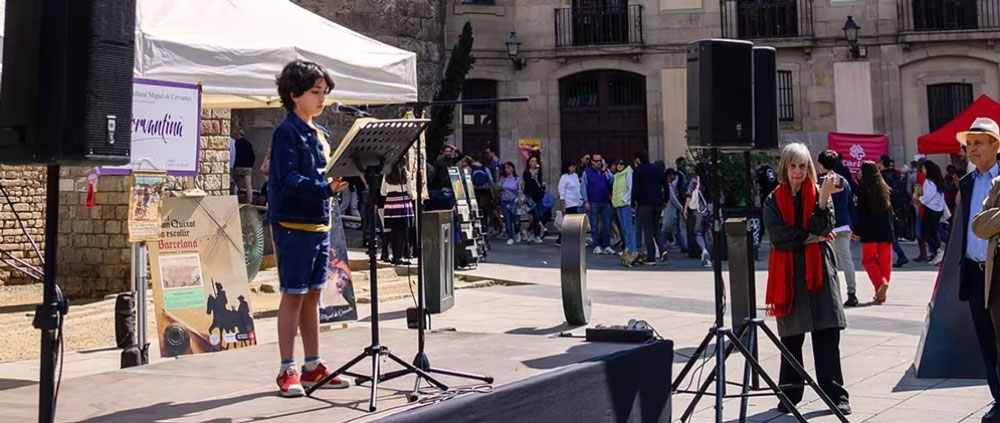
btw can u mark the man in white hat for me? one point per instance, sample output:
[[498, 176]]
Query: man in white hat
[[980, 196]]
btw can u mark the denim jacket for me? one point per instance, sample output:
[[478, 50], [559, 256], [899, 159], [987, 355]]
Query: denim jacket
[[297, 190]]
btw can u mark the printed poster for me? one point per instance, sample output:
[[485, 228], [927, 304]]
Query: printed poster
[[145, 197], [200, 287], [166, 128], [338, 304], [526, 147]]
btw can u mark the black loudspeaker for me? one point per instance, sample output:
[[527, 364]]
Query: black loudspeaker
[[720, 93], [630, 386], [765, 94], [67, 82]]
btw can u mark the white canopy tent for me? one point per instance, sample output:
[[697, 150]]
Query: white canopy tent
[[235, 48]]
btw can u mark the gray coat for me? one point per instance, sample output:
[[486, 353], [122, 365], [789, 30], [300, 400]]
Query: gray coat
[[816, 311]]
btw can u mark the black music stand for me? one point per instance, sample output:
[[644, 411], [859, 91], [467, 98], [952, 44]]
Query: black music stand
[[374, 146], [421, 361]]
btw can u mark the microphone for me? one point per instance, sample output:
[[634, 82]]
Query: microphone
[[351, 110]]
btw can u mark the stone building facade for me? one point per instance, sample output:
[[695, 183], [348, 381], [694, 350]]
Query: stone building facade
[[26, 187], [94, 254], [412, 25], [611, 75]]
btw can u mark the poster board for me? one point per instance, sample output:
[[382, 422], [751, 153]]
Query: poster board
[[200, 290], [166, 128], [856, 148], [144, 205], [526, 147], [337, 303], [457, 185]]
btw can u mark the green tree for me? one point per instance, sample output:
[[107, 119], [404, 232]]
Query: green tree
[[442, 117]]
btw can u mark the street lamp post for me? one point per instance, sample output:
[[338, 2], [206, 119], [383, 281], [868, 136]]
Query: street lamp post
[[513, 50], [851, 29]]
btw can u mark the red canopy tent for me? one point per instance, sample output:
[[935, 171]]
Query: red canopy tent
[[943, 140]]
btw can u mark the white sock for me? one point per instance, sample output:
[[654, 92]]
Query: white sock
[[311, 363]]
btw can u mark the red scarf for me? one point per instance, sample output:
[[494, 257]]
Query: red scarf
[[780, 267]]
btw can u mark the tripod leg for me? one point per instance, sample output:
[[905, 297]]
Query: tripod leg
[[339, 371], [373, 400], [394, 374], [800, 370], [767, 378], [720, 372], [420, 373], [704, 386], [747, 370], [484, 378], [692, 360]]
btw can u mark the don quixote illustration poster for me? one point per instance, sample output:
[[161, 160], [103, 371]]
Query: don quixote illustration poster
[[199, 278]]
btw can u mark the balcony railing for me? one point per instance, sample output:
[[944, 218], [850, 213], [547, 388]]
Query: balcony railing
[[947, 15], [756, 19], [614, 24]]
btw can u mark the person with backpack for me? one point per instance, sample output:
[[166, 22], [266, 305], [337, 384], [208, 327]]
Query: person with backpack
[[484, 188], [699, 203]]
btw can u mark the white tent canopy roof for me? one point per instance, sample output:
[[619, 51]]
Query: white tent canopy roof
[[235, 48]]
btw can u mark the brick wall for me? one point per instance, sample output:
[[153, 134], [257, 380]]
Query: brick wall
[[94, 253], [26, 187]]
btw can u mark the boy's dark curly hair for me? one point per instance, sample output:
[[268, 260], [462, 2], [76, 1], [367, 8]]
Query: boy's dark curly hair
[[297, 77]]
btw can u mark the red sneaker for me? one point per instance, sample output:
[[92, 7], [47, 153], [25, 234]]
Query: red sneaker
[[289, 385], [310, 378]]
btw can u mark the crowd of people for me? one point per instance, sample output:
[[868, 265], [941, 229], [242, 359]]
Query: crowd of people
[[637, 209]]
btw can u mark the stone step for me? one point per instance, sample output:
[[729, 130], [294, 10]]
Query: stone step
[[384, 273], [388, 290]]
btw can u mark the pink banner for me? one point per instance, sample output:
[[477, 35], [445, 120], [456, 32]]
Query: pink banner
[[856, 148]]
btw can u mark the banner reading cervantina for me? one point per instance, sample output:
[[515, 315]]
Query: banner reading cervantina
[[200, 287]]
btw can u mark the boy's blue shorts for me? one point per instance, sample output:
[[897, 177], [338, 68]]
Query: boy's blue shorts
[[302, 258]]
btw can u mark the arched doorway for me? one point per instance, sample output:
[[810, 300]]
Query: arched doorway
[[603, 111]]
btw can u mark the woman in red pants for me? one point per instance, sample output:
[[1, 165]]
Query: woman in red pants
[[874, 227]]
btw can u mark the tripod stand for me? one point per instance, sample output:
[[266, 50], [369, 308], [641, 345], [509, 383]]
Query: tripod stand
[[748, 331], [421, 362]]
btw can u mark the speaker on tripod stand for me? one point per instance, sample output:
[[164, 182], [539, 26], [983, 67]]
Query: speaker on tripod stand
[[721, 105], [65, 99]]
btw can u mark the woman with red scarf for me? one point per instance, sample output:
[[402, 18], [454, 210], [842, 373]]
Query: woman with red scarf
[[803, 291]]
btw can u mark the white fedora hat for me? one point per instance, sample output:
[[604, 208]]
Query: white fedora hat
[[981, 125]]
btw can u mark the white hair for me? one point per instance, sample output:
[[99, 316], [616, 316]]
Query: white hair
[[795, 152]]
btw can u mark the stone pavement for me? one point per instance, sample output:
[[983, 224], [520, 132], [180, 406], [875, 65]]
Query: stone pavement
[[677, 299]]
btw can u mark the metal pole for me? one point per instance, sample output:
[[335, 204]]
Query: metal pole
[[751, 266], [720, 298], [140, 297], [47, 314]]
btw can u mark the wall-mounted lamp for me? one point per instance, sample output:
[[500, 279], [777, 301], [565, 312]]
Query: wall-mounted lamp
[[851, 29], [513, 49]]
